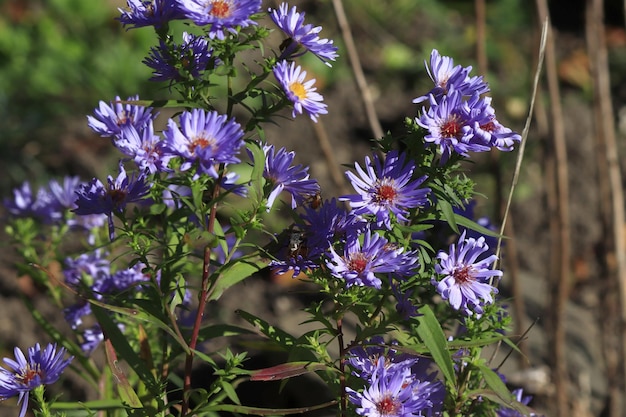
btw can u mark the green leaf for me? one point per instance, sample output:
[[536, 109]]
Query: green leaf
[[236, 272], [448, 213], [500, 393], [465, 222], [126, 392], [280, 337], [431, 333], [242, 409], [221, 330], [511, 403], [287, 370], [88, 405], [120, 342]]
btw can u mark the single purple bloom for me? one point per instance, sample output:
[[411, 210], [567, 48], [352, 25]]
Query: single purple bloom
[[65, 193], [95, 198], [467, 281], [109, 118], [222, 15], [157, 13], [360, 263], [186, 61], [386, 188], [149, 152], [42, 367], [74, 314], [447, 76], [391, 393], [281, 176], [302, 37], [300, 92], [204, 139]]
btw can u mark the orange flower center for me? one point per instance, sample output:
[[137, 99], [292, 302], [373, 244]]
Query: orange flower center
[[28, 375], [385, 193], [220, 9], [200, 141]]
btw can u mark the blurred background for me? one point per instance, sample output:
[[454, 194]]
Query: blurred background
[[565, 272]]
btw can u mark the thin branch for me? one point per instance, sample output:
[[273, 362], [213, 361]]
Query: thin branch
[[357, 70]]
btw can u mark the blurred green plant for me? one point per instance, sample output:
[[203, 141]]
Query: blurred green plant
[[57, 59]]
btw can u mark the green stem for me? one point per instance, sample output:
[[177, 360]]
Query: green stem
[[39, 397]]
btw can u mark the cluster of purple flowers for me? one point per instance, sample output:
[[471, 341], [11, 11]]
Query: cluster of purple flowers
[[41, 367], [397, 385], [91, 276], [459, 119]]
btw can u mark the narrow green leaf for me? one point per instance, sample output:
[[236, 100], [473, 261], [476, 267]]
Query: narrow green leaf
[[230, 392], [431, 333], [221, 330], [465, 222], [242, 409], [512, 403], [88, 405], [126, 392], [280, 337], [234, 273], [500, 393], [287, 370], [120, 342], [448, 214]]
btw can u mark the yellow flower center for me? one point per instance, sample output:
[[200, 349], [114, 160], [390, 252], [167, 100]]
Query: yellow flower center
[[298, 89]]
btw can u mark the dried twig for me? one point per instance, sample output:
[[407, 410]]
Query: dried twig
[[357, 70], [609, 173]]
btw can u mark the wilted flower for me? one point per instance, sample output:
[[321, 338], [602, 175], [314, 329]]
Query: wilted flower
[[281, 176], [181, 62], [302, 37], [157, 13], [42, 367]]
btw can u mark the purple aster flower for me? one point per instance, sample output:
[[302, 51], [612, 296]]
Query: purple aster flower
[[467, 281], [42, 367], [331, 224], [360, 263], [157, 13], [64, 193], [74, 314], [386, 188], [301, 93], [95, 198], [487, 128], [222, 15], [282, 176], [92, 337], [149, 152], [206, 139], [39, 205], [92, 267], [450, 124], [109, 118], [447, 76], [391, 393], [181, 62], [301, 36]]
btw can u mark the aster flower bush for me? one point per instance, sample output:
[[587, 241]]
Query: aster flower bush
[[184, 221]]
